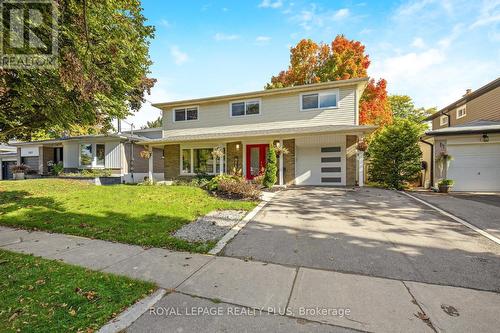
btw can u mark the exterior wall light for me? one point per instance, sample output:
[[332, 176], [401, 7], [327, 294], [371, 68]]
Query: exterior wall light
[[485, 138]]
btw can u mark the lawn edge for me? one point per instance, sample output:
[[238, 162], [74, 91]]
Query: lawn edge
[[132, 313], [266, 198]]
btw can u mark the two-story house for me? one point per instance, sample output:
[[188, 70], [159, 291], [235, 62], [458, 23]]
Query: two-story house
[[318, 124], [465, 139]]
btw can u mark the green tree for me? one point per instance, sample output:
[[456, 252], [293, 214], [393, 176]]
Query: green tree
[[101, 72], [402, 107], [271, 168], [153, 124], [394, 154]]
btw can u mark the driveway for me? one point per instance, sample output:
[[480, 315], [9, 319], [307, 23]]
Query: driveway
[[368, 231], [480, 209]]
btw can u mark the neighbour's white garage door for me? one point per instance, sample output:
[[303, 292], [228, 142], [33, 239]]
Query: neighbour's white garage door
[[320, 160], [475, 167]]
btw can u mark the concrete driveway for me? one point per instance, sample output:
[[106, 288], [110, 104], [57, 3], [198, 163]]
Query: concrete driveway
[[368, 231]]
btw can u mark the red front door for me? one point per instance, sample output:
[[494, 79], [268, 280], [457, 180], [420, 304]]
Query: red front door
[[256, 160]]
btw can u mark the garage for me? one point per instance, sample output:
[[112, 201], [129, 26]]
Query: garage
[[320, 160], [475, 167]]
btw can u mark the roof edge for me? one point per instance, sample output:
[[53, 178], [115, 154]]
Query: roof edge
[[265, 92]]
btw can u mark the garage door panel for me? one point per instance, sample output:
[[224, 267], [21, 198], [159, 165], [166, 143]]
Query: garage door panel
[[475, 167], [321, 162]]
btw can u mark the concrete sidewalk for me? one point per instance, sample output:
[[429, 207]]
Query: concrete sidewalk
[[251, 295]]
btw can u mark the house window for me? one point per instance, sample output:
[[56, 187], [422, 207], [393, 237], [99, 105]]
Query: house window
[[92, 155], [443, 120], [200, 160], [85, 154], [100, 153], [461, 112], [245, 108], [186, 114], [317, 101]]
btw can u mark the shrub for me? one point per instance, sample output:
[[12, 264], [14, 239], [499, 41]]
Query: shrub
[[446, 182], [271, 168], [394, 154], [96, 173], [238, 189], [19, 168], [57, 169], [213, 184]]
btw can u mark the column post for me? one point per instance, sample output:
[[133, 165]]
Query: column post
[[281, 163], [361, 162], [150, 164]]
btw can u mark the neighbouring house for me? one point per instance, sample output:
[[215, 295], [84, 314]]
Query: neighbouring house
[[7, 160], [318, 124], [465, 140], [117, 152]]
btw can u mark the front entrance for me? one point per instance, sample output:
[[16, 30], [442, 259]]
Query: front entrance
[[256, 160], [6, 169]]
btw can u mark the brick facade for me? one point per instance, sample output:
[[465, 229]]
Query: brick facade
[[351, 141], [172, 161], [234, 157], [289, 162]]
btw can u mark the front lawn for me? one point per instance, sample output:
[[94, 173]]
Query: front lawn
[[40, 295], [142, 215]]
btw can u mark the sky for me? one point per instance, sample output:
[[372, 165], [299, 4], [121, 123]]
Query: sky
[[430, 50]]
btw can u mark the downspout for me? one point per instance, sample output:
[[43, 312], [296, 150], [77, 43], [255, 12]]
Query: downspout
[[432, 160], [449, 119]]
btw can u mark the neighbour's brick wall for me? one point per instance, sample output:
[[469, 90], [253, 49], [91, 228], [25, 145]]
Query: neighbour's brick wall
[[351, 141], [234, 158], [289, 162], [172, 161]]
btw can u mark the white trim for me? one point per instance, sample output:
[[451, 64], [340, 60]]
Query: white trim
[[441, 122], [245, 101], [321, 93], [281, 164], [185, 113], [461, 108]]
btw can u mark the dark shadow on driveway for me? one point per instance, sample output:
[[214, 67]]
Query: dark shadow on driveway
[[368, 231]]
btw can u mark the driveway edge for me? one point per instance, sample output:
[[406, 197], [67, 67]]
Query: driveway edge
[[457, 219], [131, 314], [266, 198]]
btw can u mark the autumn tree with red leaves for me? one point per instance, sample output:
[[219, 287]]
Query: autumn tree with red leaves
[[341, 60]]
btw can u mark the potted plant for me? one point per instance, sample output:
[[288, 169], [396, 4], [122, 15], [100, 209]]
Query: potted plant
[[445, 185], [19, 170], [362, 146]]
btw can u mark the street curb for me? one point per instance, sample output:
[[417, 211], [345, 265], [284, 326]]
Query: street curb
[[131, 314], [457, 219], [236, 229]]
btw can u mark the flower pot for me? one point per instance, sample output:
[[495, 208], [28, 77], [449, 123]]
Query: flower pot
[[444, 188], [18, 175]]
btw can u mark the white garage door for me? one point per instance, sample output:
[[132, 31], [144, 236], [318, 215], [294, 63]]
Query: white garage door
[[320, 161], [475, 167]]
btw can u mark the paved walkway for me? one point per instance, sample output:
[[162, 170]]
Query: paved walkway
[[258, 296]]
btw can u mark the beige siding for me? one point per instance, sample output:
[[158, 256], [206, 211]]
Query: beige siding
[[71, 155], [484, 107], [273, 108]]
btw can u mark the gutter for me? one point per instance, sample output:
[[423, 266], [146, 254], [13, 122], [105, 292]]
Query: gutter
[[471, 131], [432, 160]]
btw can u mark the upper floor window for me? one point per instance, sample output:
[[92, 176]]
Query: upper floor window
[[317, 101], [461, 112], [184, 114], [443, 120], [245, 108]]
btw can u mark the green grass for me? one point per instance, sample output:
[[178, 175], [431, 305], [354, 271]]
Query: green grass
[[141, 215], [39, 295]]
